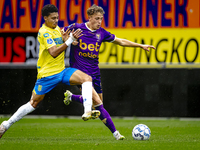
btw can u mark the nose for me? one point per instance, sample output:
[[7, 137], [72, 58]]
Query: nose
[[100, 21]]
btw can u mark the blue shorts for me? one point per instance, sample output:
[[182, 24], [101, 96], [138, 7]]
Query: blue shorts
[[96, 82], [46, 84]]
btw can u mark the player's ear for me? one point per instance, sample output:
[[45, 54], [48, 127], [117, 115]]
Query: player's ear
[[89, 17], [45, 18]]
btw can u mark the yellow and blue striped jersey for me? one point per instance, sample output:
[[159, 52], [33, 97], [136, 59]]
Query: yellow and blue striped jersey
[[47, 65]]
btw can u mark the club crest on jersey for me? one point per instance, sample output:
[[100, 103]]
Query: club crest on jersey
[[49, 41], [98, 36]]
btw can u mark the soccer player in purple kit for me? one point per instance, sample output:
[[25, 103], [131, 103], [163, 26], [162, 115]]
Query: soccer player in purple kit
[[84, 55]]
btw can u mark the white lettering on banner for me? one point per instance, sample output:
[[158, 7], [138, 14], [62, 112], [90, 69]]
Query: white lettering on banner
[[32, 49]]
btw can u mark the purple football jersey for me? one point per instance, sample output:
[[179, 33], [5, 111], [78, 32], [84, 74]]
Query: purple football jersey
[[85, 55]]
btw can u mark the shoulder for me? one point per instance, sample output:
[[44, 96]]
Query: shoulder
[[80, 25], [44, 33], [102, 29], [57, 28], [41, 32], [74, 26]]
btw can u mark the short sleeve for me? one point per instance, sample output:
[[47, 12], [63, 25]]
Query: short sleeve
[[108, 37], [48, 40]]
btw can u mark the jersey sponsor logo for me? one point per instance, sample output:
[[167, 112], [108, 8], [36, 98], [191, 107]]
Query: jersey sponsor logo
[[49, 41], [46, 35], [90, 47], [58, 40], [88, 54]]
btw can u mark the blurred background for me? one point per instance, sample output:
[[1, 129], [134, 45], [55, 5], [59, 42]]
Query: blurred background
[[161, 83]]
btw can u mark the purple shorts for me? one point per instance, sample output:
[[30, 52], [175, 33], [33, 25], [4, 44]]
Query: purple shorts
[[96, 82]]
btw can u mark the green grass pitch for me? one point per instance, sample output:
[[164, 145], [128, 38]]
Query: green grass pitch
[[72, 134]]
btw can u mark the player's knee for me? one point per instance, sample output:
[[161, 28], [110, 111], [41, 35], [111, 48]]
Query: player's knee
[[87, 78], [35, 101], [96, 101]]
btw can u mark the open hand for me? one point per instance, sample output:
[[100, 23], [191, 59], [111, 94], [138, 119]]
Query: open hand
[[77, 34], [74, 34], [146, 47]]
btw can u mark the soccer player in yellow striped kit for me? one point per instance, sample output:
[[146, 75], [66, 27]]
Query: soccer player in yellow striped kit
[[51, 68]]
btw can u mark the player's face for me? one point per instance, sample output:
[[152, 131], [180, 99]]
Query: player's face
[[51, 21], [95, 21]]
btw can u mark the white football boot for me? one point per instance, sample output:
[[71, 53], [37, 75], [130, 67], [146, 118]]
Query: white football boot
[[67, 99], [118, 136], [91, 115], [2, 130]]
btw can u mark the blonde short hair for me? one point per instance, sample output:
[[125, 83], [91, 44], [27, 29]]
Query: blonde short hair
[[95, 9]]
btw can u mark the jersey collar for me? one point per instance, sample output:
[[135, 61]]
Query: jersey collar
[[89, 28]]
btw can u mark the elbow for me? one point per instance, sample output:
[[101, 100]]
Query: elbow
[[54, 55], [121, 44]]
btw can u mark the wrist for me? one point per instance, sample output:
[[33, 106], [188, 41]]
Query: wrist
[[73, 38], [69, 41]]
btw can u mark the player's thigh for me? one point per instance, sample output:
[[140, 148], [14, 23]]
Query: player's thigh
[[79, 77], [97, 85], [44, 85]]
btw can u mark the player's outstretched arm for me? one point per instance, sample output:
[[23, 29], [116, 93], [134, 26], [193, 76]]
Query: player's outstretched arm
[[127, 43], [68, 37]]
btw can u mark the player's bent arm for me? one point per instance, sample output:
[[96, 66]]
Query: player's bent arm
[[127, 43], [55, 51]]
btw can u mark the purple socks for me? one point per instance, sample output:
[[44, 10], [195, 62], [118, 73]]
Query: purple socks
[[77, 98], [105, 116]]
